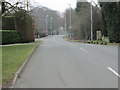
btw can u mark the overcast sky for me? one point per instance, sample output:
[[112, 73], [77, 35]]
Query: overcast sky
[[59, 5]]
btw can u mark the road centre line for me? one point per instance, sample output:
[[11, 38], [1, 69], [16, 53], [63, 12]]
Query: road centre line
[[83, 50], [113, 71]]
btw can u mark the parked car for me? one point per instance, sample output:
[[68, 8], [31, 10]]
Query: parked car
[[43, 33]]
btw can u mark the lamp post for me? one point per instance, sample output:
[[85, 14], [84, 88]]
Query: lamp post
[[65, 25], [70, 27], [47, 23], [27, 5], [91, 23], [51, 25]]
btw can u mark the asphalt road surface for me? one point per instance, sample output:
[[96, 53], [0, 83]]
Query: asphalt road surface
[[61, 64]]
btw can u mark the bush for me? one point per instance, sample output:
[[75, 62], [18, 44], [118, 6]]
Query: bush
[[9, 37]]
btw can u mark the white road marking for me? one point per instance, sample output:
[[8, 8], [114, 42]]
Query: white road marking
[[83, 50], [113, 71]]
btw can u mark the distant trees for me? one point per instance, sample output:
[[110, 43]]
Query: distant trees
[[40, 14], [83, 12], [106, 19], [81, 21]]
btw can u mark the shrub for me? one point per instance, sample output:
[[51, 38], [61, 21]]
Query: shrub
[[105, 43], [91, 42], [101, 43], [9, 37]]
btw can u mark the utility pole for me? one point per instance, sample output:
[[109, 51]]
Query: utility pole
[[47, 23], [70, 27], [91, 23]]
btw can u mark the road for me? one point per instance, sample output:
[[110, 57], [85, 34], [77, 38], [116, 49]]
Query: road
[[61, 64]]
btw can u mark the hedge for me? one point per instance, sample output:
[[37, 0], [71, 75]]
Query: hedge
[[24, 25], [8, 23], [9, 37]]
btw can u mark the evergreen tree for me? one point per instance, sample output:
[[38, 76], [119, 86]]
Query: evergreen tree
[[111, 14]]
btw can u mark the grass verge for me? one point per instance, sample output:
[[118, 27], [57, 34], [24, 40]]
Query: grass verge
[[12, 59], [0, 67], [91, 42]]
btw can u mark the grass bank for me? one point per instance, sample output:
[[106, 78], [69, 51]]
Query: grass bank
[[13, 57]]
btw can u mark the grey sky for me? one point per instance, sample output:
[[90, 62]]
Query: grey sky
[[59, 5]]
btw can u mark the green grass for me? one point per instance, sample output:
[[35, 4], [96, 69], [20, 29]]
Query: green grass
[[0, 66], [12, 59], [77, 40], [113, 43], [99, 41]]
